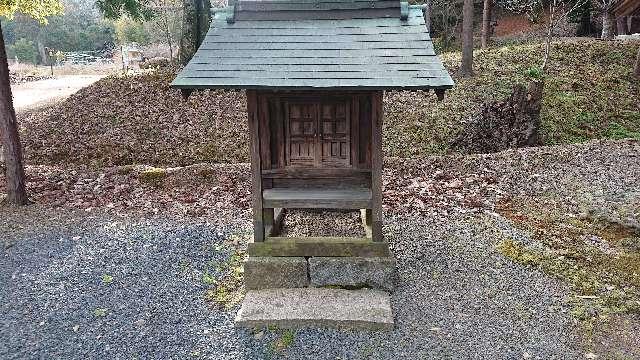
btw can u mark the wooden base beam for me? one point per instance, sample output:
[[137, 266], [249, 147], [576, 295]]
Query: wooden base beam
[[318, 246]]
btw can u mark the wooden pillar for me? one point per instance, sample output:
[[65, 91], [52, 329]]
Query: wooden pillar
[[622, 25], [256, 168], [376, 166]]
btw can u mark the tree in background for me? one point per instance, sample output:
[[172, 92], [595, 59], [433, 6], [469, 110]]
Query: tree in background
[[466, 68], [128, 31], [12, 149], [606, 8], [80, 28], [195, 24], [24, 50], [487, 12]]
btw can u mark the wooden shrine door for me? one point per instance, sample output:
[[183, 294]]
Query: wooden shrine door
[[317, 133]]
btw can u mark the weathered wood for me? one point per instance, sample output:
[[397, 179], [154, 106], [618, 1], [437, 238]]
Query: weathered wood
[[365, 216], [370, 41], [268, 217], [295, 173], [362, 182], [376, 167], [276, 219], [318, 246], [264, 133], [295, 74], [256, 179], [317, 198], [355, 134], [242, 29], [307, 84]]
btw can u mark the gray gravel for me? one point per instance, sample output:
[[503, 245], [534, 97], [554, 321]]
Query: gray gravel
[[51, 276], [318, 222], [457, 298]]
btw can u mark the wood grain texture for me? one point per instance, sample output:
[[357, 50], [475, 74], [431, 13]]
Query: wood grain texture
[[256, 179], [376, 167], [318, 246], [317, 198]]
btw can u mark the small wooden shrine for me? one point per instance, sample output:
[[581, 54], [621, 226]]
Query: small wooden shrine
[[315, 72]]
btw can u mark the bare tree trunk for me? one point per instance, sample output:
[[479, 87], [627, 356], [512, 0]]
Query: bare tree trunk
[[16, 189], [486, 22], [636, 69], [547, 42], [167, 31], [623, 25], [608, 25], [466, 69]]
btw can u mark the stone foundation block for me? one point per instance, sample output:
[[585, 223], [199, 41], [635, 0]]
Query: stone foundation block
[[275, 272], [364, 309], [353, 272]]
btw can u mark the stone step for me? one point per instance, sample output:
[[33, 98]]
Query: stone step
[[364, 309]]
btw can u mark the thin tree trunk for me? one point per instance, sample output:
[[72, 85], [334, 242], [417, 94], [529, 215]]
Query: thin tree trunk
[[608, 25], [622, 25], [466, 68], [486, 22], [636, 69], [16, 189], [167, 30], [547, 42]]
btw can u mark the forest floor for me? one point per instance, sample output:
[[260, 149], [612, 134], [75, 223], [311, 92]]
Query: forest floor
[[529, 253]]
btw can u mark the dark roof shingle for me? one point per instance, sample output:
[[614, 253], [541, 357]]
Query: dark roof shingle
[[379, 53]]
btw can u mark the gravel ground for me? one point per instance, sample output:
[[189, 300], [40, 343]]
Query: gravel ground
[[53, 291], [300, 222], [457, 297]]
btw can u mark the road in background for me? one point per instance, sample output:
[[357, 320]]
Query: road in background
[[32, 94]]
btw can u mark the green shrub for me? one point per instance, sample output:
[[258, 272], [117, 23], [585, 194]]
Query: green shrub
[[25, 50]]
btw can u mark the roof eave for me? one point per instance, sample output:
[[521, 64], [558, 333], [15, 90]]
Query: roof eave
[[306, 88]]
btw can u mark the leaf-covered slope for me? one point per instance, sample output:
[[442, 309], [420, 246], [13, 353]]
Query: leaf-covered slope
[[138, 119], [590, 93]]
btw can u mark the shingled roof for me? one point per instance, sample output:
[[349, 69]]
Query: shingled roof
[[316, 44]]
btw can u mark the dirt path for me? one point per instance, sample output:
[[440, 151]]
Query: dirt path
[[38, 93]]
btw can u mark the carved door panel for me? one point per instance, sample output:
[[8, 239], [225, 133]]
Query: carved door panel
[[317, 133], [300, 133], [334, 126]]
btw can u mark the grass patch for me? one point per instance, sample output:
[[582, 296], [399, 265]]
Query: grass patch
[[582, 100], [100, 312], [107, 279], [228, 291], [283, 342], [154, 176]]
